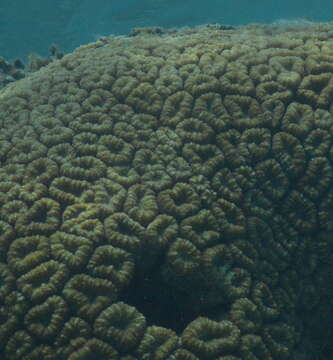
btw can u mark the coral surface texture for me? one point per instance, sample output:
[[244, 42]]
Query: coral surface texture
[[168, 196]]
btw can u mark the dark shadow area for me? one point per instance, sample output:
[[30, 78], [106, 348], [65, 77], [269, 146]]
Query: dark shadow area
[[160, 304]]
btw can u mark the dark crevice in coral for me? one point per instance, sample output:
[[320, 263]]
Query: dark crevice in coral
[[159, 303]]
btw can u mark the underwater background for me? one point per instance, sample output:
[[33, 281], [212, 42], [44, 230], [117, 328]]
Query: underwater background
[[70, 23]]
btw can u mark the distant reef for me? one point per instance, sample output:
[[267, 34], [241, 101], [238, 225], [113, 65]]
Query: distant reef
[[11, 71]]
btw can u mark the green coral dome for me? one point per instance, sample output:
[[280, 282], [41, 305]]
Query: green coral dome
[[168, 196]]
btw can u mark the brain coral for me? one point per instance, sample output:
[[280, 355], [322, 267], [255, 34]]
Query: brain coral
[[169, 197]]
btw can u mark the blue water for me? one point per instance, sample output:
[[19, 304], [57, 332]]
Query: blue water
[[33, 26]]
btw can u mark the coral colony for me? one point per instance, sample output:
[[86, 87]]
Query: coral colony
[[168, 196]]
